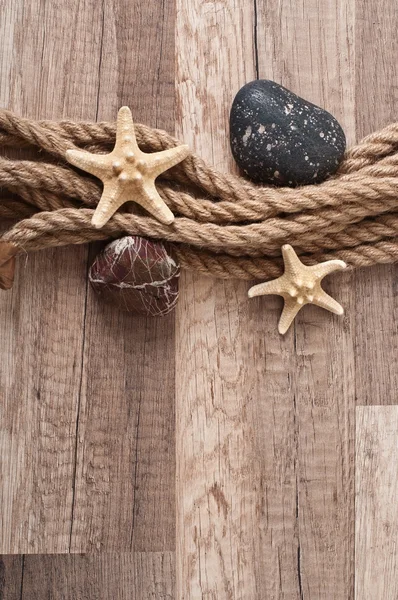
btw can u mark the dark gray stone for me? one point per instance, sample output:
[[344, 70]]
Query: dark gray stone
[[280, 138]]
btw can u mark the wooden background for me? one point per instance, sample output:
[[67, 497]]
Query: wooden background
[[201, 455]]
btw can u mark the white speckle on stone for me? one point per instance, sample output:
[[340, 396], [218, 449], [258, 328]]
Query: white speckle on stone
[[269, 146], [293, 127], [248, 133], [305, 157], [315, 175], [273, 125], [288, 109], [321, 134], [305, 121], [276, 173], [261, 129]]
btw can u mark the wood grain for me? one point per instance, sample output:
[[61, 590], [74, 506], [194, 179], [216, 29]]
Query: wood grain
[[216, 454], [376, 508], [299, 473], [124, 576], [87, 393], [264, 502], [11, 573], [100, 576], [124, 485], [309, 47], [41, 349], [376, 340]]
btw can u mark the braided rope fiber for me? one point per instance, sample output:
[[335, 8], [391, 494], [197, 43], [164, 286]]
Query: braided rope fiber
[[225, 226]]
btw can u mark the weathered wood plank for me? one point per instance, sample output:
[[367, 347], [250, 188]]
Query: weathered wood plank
[[309, 48], [376, 508], [124, 489], [127, 385], [376, 340], [41, 320], [296, 503], [11, 573], [226, 389], [125, 576]]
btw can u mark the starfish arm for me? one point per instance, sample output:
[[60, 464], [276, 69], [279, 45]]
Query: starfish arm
[[110, 201], [274, 287], [325, 301], [96, 164], [125, 134], [290, 310], [292, 262], [162, 161], [323, 269], [154, 204]]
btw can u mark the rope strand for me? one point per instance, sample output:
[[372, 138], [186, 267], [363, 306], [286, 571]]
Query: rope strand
[[73, 226]]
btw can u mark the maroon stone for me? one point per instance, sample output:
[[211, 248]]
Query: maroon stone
[[137, 275]]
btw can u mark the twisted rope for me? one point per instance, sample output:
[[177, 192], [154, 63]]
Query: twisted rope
[[225, 226]]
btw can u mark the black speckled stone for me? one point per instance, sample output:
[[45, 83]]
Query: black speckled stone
[[280, 138]]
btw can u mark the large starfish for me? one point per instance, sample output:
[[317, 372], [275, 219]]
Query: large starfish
[[300, 285], [128, 173]]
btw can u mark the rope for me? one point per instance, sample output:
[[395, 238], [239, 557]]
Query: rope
[[73, 226], [225, 226]]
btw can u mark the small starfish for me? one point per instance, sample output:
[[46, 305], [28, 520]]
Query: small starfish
[[300, 285], [128, 173]]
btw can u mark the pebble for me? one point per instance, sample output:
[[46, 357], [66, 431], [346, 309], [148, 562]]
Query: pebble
[[137, 275], [279, 138]]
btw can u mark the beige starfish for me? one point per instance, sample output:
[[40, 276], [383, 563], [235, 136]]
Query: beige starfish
[[128, 173], [300, 285]]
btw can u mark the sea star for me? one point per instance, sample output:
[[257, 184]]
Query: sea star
[[300, 285], [128, 173]]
